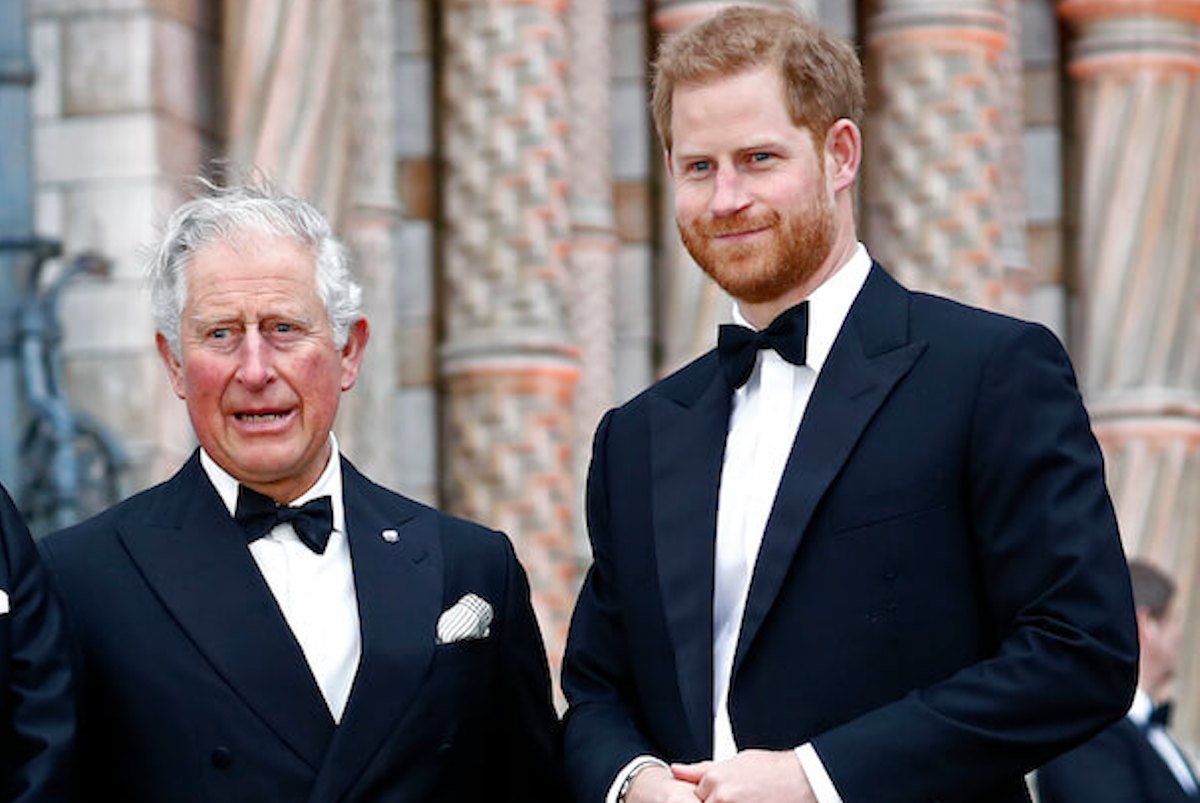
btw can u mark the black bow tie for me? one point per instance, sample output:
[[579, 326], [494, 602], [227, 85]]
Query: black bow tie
[[1160, 715], [737, 346], [258, 515]]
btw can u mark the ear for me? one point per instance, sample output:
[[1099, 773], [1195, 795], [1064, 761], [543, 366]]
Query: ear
[[843, 154], [1147, 623], [174, 366], [352, 352], [667, 162]]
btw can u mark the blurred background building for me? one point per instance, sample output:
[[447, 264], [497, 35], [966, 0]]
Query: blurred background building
[[492, 165]]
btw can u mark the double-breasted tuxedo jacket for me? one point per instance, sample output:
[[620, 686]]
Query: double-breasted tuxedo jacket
[[194, 689], [37, 701], [1118, 765], [940, 601]]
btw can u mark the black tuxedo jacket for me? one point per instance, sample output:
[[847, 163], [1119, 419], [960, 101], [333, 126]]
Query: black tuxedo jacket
[[940, 602], [194, 689], [37, 700], [1118, 765]]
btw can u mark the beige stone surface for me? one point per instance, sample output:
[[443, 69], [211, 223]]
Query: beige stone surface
[[102, 317], [107, 64], [92, 148], [185, 62]]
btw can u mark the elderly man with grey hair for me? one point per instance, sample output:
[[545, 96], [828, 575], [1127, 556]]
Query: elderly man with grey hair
[[268, 624]]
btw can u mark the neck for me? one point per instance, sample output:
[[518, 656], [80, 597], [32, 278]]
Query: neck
[[761, 314]]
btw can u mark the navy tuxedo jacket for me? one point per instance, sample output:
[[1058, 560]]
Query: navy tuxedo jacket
[[37, 702], [1119, 765], [940, 602], [194, 689]]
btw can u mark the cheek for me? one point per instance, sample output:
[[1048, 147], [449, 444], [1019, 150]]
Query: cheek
[[690, 202], [205, 378]]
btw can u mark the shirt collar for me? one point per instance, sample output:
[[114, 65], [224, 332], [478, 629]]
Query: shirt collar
[[1140, 708], [328, 484], [828, 306]]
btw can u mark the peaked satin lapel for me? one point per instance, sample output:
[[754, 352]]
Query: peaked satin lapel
[[194, 557], [687, 445], [870, 355], [399, 590]]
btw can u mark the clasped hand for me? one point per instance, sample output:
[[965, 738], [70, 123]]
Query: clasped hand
[[752, 776]]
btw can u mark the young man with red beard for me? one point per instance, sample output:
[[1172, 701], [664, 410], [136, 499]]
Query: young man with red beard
[[863, 550]]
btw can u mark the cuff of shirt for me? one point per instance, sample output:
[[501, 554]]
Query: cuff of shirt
[[629, 769], [822, 786]]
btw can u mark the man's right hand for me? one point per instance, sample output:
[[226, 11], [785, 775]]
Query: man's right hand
[[657, 785]]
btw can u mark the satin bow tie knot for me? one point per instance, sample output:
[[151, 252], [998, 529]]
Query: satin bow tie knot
[[737, 346], [1160, 715], [258, 515]]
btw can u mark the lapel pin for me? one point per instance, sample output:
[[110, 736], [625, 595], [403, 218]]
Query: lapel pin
[[391, 536]]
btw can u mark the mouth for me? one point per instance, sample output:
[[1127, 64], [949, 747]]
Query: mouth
[[744, 233], [259, 418], [263, 421]]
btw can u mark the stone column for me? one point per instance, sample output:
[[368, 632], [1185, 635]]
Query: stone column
[[1135, 73], [287, 81], [507, 360], [934, 204], [369, 225], [594, 234]]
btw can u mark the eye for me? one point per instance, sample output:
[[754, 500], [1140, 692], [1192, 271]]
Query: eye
[[220, 333], [759, 157], [282, 331], [699, 167]]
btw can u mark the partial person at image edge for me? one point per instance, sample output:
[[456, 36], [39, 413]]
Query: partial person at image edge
[[37, 695], [1135, 760]]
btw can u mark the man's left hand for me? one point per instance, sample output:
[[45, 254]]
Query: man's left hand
[[752, 776]]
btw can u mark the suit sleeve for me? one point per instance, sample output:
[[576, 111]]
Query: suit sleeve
[[1103, 770], [39, 732], [601, 734], [529, 741], [1057, 597]]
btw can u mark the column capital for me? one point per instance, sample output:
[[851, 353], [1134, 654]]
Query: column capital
[[1123, 36], [943, 23], [1085, 11], [673, 15]]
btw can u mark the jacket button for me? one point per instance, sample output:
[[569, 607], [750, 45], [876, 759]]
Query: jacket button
[[221, 757]]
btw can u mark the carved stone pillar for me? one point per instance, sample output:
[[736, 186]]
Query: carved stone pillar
[[594, 233], [507, 360], [1135, 72], [935, 145], [286, 81], [369, 227], [690, 304]]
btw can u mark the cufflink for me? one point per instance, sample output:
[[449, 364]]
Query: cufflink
[[391, 536]]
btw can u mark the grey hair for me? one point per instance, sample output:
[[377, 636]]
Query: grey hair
[[223, 215]]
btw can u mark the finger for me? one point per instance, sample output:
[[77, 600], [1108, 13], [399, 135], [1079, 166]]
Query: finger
[[692, 773]]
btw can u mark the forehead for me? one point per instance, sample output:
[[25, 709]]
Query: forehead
[[250, 265], [740, 104]]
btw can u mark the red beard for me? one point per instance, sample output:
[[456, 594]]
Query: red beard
[[773, 262]]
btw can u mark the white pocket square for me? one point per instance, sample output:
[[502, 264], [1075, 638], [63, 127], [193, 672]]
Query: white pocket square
[[469, 618], [3, 601]]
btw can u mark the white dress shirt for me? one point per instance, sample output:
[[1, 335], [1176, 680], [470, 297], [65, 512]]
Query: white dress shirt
[[1161, 741], [763, 421], [315, 592]]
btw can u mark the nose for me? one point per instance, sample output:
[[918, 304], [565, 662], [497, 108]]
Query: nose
[[254, 360], [730, 194]]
